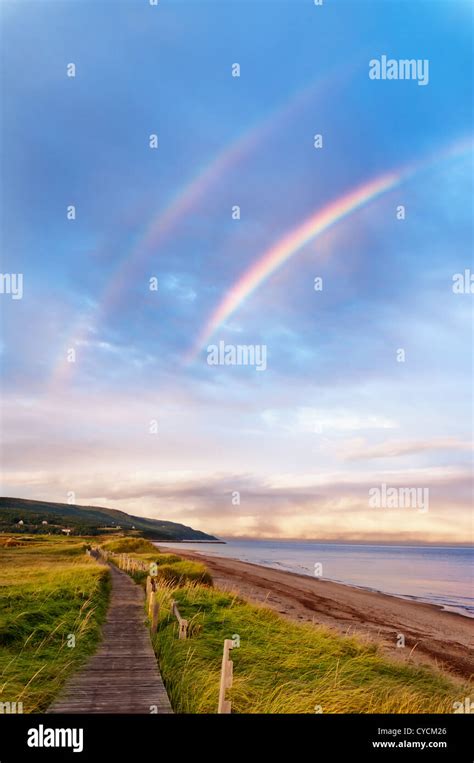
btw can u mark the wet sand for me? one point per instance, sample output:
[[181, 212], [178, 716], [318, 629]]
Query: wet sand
[[432, 636]]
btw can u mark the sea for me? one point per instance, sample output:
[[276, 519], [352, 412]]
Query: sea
[[439, 575]]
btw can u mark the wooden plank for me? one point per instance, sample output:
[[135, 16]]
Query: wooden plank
[[183, 624], [123, 675], [227, 673]]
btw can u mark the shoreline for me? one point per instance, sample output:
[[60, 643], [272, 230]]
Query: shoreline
[[452, 608], [432, 635]]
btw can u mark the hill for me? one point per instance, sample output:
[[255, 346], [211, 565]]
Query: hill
[[87, 520]]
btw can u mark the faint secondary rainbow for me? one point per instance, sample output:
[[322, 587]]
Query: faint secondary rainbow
[[192, 194], [183, 202], [313, 226]]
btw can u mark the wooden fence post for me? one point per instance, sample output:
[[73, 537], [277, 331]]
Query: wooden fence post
[[154, 612], [183, 624], [148, 588], [150, 602], [227, 673]]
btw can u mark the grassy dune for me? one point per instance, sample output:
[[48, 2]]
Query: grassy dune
[[171, 567], [49, 589], [283, 667], [280, 667]]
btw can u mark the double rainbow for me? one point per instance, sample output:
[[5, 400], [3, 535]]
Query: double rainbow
[[185, 200], [292, 242]]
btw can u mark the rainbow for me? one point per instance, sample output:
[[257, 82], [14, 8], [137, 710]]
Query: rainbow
[[186, 199], [292, 242], [193, 192]]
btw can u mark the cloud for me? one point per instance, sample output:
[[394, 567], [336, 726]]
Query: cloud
[[307, 419], [331, 505], [394, 448]]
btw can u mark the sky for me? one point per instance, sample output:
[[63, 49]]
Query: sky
[[109, 395]]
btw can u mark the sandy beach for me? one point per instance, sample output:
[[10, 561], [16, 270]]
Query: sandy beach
[[432, 635]]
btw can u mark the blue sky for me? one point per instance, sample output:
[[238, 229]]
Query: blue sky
[[334, 413]]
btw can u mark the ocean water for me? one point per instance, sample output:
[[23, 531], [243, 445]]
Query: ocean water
[[434, 574]]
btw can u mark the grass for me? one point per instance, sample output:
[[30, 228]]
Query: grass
[[283, 667], [280, 666], [49, 589], [128, 546], [171, 567]]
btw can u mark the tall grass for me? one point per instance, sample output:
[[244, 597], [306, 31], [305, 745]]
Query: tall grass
[[280, 666], [171, 567], [283, 667], [49, 590], [129, 545]]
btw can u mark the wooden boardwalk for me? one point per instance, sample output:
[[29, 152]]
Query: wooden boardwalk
[[123, 675]]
